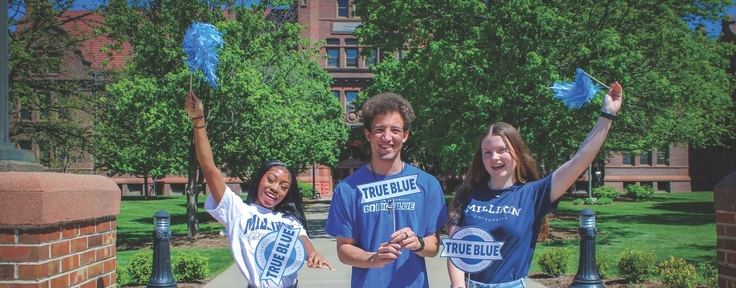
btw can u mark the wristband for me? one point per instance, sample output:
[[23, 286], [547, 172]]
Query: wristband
[[608, 115], [421, 244], [198, 117], [203, 125]]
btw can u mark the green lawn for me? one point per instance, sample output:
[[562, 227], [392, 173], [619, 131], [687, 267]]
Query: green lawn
[[678, 224], [135, 223]]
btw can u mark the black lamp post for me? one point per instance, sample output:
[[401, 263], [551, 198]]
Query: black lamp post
[[587, 275], [161, 275]]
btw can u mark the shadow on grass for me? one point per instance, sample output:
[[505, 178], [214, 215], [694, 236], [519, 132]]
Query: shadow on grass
[[687, 207]]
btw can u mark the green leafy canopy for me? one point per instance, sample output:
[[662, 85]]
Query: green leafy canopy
[[468, 64]]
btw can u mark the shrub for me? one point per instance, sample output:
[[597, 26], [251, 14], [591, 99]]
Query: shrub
[[140, 267], [604, 201], [676, 273], [307, 189], [709, 274], [189, 267], [606, 192], [123, 277], [589, 201], [578, 201], [638, 192], [637, 265], [554, 261], [603, 264]]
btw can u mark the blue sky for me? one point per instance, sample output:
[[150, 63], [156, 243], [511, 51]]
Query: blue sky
[[714, 29]]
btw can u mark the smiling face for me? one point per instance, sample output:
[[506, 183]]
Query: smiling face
[[386, 135], [273, 187], [498, 159]]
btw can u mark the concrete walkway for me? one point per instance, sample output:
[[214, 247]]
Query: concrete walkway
[[325, 244]]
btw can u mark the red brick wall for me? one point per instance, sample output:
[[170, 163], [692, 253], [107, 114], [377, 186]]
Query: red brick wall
[[57, 230], [724, 199], [66, 255]]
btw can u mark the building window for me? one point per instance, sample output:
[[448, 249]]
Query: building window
[[628, 158], [25, 114], [650, 184], [645, 159], [663, 186], [135, 189], [373, 59], [336, 94], [333, 55], [333, 41], [177, 189], [342, 8], [351, 57], [626, 184], [663, 156], [24, 144], [350, 96]]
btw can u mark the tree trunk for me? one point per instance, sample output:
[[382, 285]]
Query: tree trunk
[[192, 191], [144, 189]]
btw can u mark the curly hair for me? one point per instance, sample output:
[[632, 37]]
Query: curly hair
[[292, 205], [526, 168], [385, 103]]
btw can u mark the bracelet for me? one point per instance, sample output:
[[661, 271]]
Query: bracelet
[[198, 117], [421, 244], [608, 115], [204, 125]]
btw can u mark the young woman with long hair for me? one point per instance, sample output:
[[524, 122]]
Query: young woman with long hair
[[273, 200], [503, 195]]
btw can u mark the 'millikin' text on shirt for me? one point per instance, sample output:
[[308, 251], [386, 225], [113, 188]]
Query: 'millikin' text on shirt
[[386, 189], [493, 209]]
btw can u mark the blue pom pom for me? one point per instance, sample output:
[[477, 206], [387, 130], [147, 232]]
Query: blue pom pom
[[200, 43], [576, 94]]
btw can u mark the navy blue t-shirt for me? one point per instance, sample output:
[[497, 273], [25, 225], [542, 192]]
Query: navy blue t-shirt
[[359, 210], [514, 216]]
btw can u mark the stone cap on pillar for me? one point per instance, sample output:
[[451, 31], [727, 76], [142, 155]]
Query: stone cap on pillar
[[39, 198], [724, 193]]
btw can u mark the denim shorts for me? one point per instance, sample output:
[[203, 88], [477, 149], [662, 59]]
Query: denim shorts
[[520, 283]]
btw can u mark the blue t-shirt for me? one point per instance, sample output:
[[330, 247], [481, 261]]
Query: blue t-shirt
[[360, 210], [514, 216]]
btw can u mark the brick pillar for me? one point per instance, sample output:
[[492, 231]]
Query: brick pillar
[[724, 199], [57, 230]]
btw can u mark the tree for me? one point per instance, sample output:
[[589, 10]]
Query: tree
[[50, 85], [470, 63], [264, 107], [140, 133]]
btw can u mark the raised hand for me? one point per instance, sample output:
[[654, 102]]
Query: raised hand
[[193, 106], [612, 101]]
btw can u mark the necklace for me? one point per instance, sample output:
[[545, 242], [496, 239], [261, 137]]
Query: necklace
[[389, 202]]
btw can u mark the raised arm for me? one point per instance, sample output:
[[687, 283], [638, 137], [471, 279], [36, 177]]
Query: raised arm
[[212, 174], [566, 175]]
